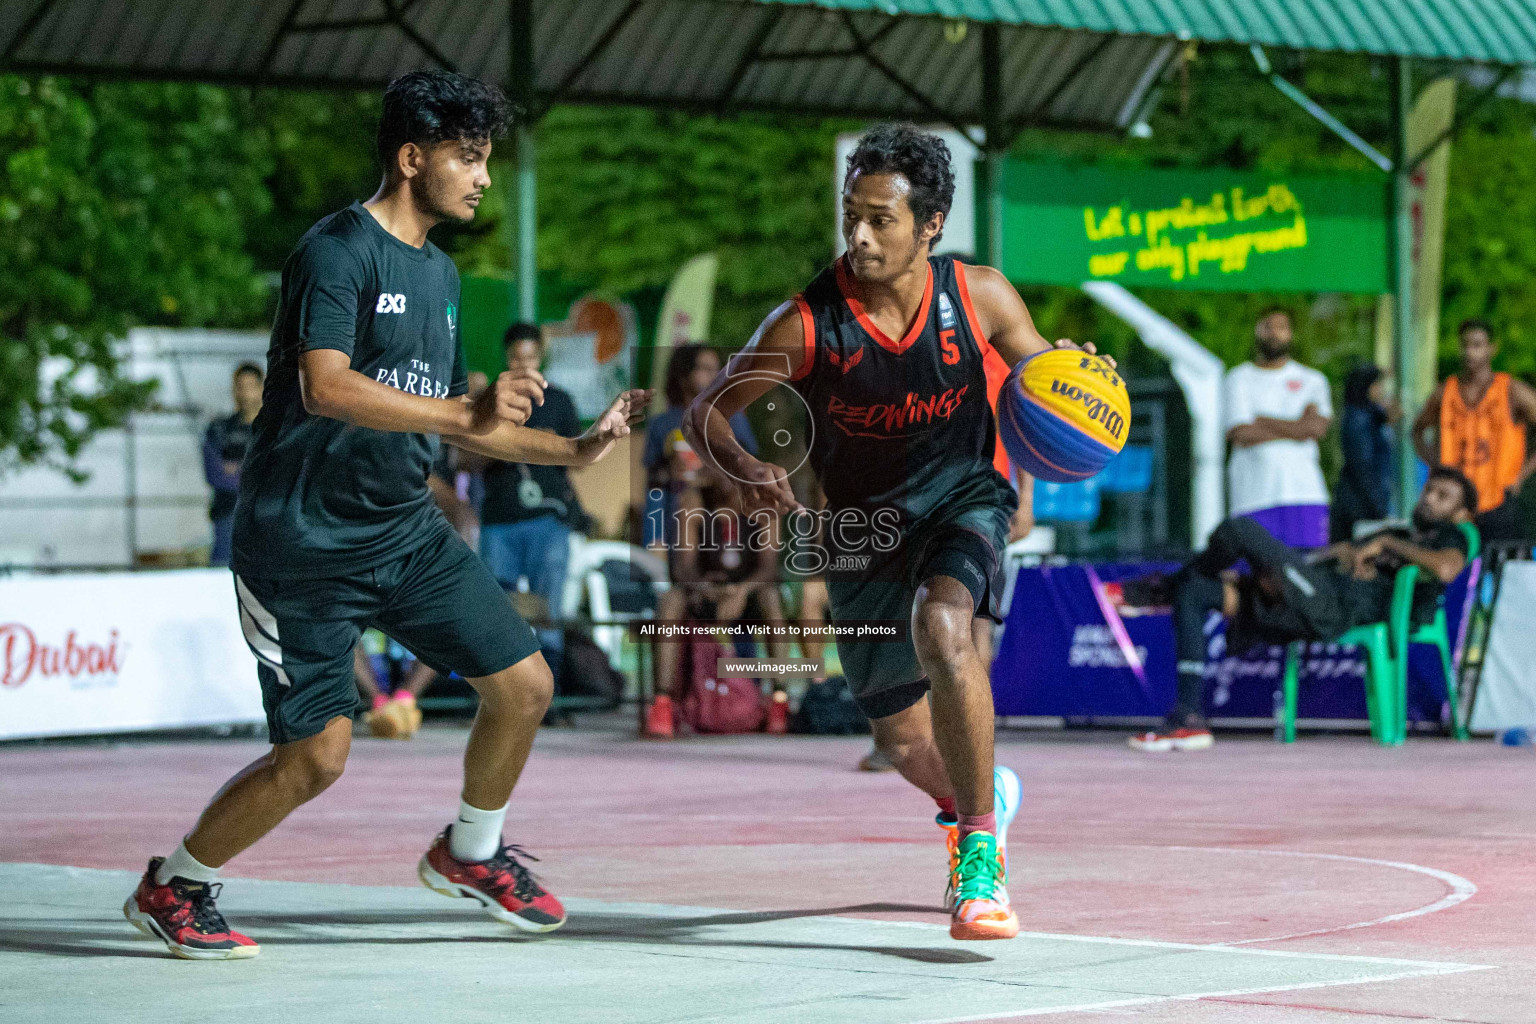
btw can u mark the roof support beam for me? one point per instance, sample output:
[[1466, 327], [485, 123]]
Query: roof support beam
[[284, 29], [771, 21], [393, 17], [397, 17], [25, 32], [1312, 107], [594, 52], [874, 60], [788, 55], [1072, 75]]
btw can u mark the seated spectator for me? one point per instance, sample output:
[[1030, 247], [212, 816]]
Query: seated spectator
[[1288, 596], [689, 371], [717, 576], [1276, 410], [1365, 434], [224, 444], [1482, 421], [391, 715]]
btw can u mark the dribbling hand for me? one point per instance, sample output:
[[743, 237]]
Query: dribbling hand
[[1088, 347], [509, 399], [762, 485]]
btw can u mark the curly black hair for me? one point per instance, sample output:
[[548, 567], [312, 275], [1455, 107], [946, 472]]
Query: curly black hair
[[435, 106], [920, 157], [1460, 479]]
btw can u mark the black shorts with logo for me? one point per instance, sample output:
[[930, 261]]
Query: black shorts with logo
[[964, 540], [439, 601]]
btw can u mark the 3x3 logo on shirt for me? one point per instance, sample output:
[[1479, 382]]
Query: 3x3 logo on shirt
[[390, 302]]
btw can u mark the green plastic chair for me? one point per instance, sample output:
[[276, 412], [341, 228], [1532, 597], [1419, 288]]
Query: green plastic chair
[[1386, 664]]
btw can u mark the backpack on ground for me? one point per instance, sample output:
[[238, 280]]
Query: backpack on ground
[[585, 672], [714, 705], [828, 709]]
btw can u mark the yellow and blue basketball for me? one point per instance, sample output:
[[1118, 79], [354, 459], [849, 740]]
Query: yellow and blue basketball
[[1063, 415]]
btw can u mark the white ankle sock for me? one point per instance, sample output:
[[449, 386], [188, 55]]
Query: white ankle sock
[[182, 864], [476, 836]]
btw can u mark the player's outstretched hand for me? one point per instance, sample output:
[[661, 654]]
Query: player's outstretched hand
[[626, 410], [1088, 347], [509, 399]]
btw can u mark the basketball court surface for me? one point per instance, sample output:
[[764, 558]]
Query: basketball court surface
[[763, 879]]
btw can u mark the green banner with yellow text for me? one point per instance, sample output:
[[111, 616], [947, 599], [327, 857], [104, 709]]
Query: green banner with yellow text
[[1194, 229]]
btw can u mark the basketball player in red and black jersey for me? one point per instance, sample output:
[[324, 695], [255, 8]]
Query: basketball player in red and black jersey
[[887, 348]]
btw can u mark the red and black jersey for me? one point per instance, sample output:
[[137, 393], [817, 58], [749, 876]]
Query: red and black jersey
[[898, 423]]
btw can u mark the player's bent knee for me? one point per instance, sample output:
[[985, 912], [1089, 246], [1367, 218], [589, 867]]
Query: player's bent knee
[[527, 685], [313, 769], [941, 628]]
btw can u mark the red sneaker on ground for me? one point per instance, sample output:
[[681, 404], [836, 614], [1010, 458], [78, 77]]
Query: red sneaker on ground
[[659, 718], [1165, 740], [504, 887], [183, 915]]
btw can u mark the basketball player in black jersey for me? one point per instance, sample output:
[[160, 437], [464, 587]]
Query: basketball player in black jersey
[[887, 347]]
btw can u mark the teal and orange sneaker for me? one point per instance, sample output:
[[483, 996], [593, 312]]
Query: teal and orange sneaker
[[1006, 796], [979, 881]]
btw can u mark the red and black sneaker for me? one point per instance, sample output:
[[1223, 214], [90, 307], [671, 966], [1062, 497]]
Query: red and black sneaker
[[504, 887], [184, 916]]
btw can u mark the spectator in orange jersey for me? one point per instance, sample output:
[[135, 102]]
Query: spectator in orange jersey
[[1482, 422]]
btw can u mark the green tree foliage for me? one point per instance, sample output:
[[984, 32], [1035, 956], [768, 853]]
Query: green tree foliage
[[626, 196], [1490, 236], [120, 205]]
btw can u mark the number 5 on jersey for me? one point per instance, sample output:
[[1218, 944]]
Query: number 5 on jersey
[[950, 349]]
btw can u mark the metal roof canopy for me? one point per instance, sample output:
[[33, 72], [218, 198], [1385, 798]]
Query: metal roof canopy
[[1003, 64], [709, 55]]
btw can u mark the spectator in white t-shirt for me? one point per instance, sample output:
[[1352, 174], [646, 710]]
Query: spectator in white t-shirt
[[1275, 411]]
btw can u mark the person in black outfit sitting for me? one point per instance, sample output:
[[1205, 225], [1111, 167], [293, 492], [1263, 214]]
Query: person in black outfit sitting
[[1287, 595]]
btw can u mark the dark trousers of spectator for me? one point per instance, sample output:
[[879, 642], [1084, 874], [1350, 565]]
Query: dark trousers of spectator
[[223, 533], [1284, 600]]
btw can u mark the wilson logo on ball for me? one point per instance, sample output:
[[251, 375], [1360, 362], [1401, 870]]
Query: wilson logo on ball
[[1099, 410]]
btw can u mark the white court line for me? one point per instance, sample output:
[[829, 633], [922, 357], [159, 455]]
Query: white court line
[[1461, 889], [1190, 997]]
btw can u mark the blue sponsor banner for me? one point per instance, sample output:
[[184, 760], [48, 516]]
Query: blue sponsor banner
[[1059, 657]]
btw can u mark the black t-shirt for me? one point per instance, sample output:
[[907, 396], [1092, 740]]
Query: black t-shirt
[[319, 497], [1371, 600], [515, 492], [225, 441]]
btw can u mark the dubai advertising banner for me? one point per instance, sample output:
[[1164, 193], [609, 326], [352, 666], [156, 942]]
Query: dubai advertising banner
[[116, 652], [1209, 230]]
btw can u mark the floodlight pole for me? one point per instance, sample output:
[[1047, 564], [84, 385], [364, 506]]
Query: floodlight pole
[[1401, 85], [520, 77], [994, 148]]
